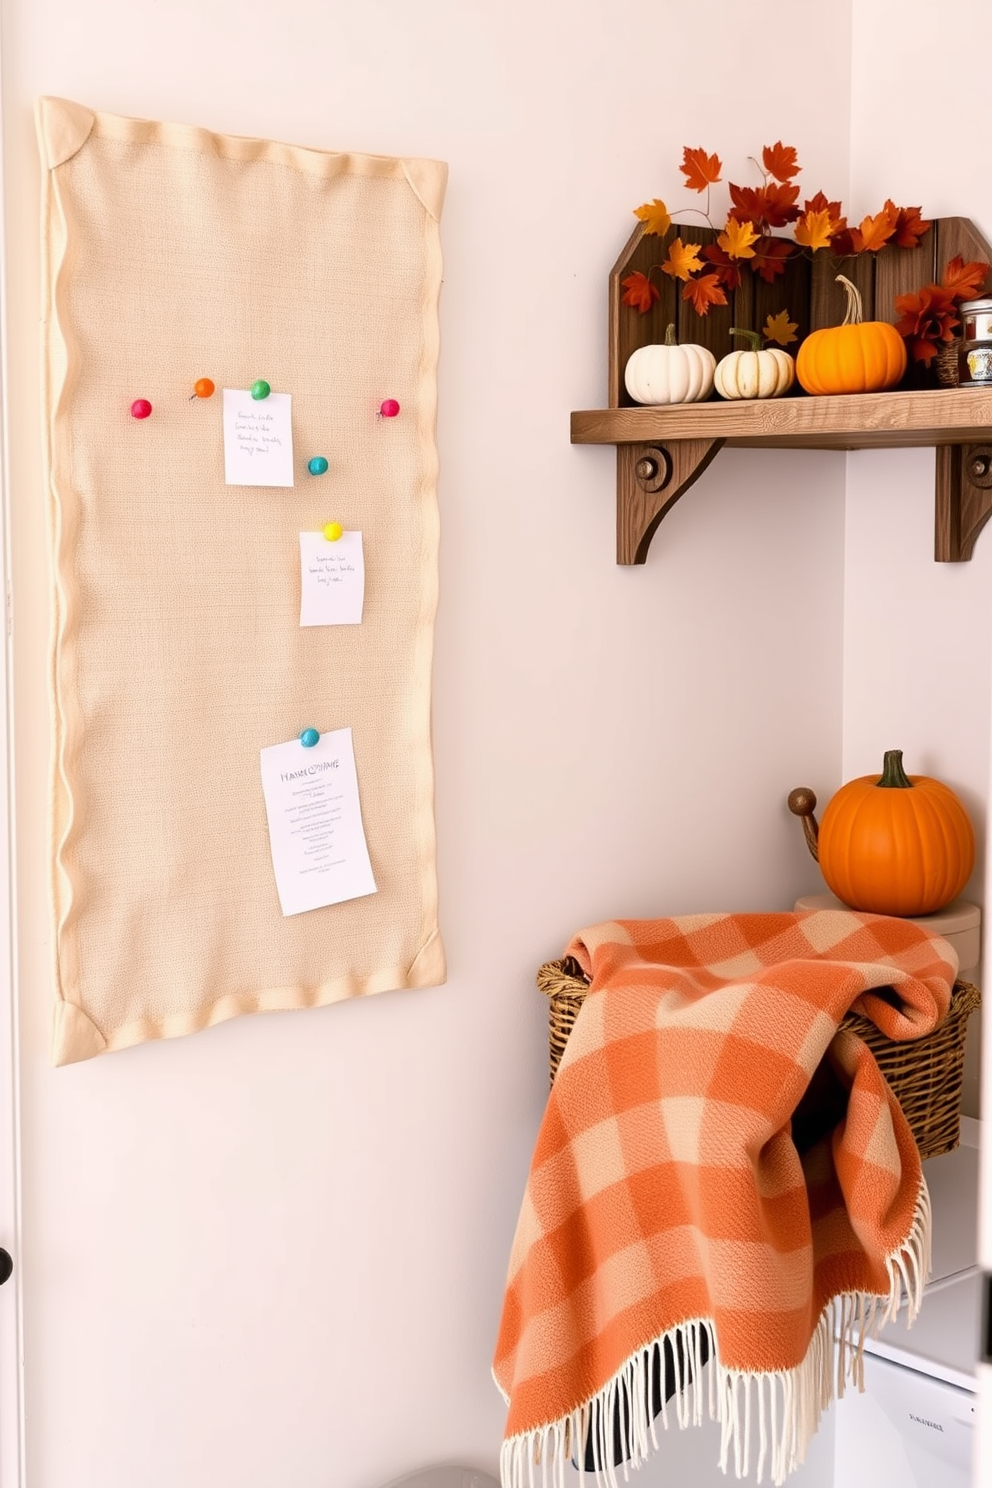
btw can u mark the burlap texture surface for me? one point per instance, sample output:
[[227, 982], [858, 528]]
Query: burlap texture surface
[[173, 253]]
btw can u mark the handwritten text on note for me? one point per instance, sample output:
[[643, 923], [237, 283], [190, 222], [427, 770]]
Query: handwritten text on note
[[333, 579], [258, 439]]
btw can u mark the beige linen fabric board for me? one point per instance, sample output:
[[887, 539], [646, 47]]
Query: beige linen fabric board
[[173, 253]]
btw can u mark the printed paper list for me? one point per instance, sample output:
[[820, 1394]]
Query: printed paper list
[[318, 846]]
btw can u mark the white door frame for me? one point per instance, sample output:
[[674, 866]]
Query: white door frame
[[11, 1335]]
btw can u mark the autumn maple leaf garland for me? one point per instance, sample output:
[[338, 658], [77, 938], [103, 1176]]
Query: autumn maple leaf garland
[[707, 272]]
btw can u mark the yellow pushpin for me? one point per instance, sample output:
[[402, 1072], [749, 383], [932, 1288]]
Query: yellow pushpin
[[333, 531]]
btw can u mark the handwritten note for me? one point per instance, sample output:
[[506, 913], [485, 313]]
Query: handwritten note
[[258, 439], [316, 837], [333, 579]]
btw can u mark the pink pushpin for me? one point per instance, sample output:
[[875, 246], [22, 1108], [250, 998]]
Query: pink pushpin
[[140, 408], [388, 408]]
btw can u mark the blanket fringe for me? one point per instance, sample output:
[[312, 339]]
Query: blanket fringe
[[781, 1409]]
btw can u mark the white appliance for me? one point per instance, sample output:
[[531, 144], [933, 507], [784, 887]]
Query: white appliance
[[914, 1425]]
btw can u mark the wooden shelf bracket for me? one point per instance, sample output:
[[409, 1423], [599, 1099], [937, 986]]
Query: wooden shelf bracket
[[650, 479], [963, 499]]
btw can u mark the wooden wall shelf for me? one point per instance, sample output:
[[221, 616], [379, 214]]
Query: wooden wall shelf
[[662, 451]]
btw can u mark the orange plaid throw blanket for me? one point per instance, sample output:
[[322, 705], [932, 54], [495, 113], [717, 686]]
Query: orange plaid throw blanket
[[721, 1172]]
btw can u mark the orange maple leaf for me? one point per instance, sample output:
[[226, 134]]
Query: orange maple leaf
[[964, 280], [727, 271], [819, 203], [780, 328], [654, 215], [780, 161], [814, 230], [874, 232], [737, 238], [700, 170], [683, 260], [770, 257], [640, 292], [704, 292], [909, 225]]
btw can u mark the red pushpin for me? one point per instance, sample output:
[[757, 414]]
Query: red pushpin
[[140, 408], [388, 408]]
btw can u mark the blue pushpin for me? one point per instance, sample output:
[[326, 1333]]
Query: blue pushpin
[[309, 738], [317, 466]]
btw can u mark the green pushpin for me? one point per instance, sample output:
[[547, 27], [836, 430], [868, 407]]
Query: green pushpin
[[260, 389]]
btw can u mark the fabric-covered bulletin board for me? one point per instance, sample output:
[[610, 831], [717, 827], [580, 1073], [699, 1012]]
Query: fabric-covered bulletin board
[[180, 653]]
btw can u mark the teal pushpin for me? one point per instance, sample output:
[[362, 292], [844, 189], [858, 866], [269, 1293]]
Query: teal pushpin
[[309, 738], [260, 389], [317, 466]]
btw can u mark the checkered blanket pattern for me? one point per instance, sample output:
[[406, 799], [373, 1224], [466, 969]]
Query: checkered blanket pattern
[[718, 1158]]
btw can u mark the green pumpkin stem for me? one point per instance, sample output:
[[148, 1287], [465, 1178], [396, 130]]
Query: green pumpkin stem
[[894, 777], [670, 334], [752, 337]]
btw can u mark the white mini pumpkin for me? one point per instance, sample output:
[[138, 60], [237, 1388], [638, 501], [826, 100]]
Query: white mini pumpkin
[[754, 373], [670, 373]]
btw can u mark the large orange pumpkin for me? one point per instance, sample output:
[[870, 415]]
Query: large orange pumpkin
[[858, 356], [897, 844]]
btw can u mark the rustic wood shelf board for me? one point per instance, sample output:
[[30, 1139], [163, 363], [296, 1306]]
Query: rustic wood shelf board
[[662, 451], [854, 421]]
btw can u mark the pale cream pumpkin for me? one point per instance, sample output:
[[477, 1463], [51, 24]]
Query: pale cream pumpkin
[[670, 373], [754, 373]]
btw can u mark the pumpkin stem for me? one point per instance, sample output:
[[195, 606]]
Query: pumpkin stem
[[894, 777], [670, 334], [855, 313], [751, 336]]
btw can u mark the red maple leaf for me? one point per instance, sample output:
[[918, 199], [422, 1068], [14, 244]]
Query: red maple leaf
[[700, 170], [925, 318], [749, 204], [909, 225], [780, 204], [770, 255], [640, 292], [704, 292], [780, 161], [766, 206], [842, 241], [728, 270], [964, 280]]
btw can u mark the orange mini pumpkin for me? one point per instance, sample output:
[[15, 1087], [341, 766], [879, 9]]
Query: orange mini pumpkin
[[858, 356], [897, 844]]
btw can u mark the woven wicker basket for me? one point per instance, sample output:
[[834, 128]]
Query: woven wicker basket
[[925, 1075]]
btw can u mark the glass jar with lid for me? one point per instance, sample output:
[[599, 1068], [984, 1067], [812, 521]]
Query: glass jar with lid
[[975, 351]]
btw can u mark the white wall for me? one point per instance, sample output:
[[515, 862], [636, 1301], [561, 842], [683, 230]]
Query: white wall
[[274, 1252], [917, 634]]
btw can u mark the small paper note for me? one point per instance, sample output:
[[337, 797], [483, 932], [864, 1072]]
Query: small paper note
[[316, 837], [258, 439], [333, 579]]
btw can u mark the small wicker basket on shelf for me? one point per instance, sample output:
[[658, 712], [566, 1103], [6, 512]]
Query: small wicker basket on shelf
[[924, 1075]]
